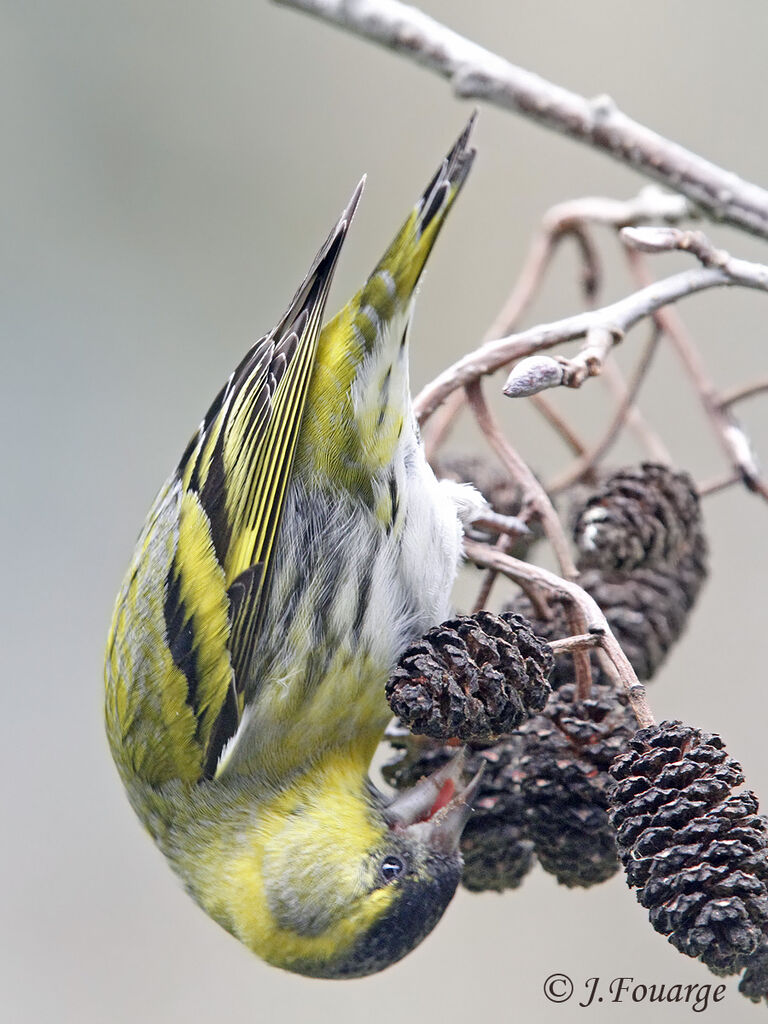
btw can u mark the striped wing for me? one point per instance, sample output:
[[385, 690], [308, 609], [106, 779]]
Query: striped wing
[[371, 331], [190, 610]]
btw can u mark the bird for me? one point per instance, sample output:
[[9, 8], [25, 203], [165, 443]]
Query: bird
[[300, 544]]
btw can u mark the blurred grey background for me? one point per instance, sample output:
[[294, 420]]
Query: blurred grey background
[[168, 171]]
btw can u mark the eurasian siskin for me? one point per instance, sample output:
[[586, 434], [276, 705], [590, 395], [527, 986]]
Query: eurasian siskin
[[299, 546]]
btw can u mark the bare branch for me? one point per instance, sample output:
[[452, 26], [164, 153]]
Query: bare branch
[[489, 578], [567, 219], [533, 492], [531, 576], [559, 424], [734, 395], [539, 373], [583, 642], [650, 204], [583, 465], [582, 663], [477, 73], [618, 318], [652, 240], [636, 421], [732, 436], [509, 526], [720, 483]]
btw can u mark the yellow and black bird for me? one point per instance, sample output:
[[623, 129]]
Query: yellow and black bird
[[299, 546]]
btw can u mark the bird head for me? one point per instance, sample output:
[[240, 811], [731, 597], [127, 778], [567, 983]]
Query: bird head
[[342, 882]]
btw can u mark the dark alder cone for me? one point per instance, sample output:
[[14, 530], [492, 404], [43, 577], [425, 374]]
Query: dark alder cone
[[643, 558], [647, 611], [414, 757], [640, 516], [553, 628], [564, 781], [693, 848], [473, 677], [497, 854], [754, 981], [543, 792]]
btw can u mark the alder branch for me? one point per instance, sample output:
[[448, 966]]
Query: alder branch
[[569, 219], [479, 74], [635, 420], [732, 436], [533, 493], [489, 578], [654, 239], [582, 642], [539, 373], [533, 576], [738, 394], [532, 375], [582, 466], [717, 484], [508, 526], [618, 317]]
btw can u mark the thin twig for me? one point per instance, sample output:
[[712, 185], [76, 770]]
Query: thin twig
[[618, 317], [647, 436], [720, 483], [495, 522], [489, 578], [733, 439], [477, 73], [528, 576], [537, 374], [583, 466], [567, 219], [582, 664], [570, 219], [583, 642], [556, 224], [668, 239], [559, 424], [531, 576], [435, 432], [535, 497], [533, 492], [738, 394]]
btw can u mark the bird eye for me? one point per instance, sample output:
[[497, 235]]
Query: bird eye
[[391, 868]]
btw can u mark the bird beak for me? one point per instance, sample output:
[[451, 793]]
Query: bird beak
[[437, 808]]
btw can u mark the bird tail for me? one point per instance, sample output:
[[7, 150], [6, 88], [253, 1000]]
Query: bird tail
[[404, 260], [350, 432]]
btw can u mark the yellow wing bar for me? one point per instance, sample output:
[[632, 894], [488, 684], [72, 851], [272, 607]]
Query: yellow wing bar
[[238, 467]]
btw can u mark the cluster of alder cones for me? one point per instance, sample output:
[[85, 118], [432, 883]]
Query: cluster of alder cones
[[569, 781]]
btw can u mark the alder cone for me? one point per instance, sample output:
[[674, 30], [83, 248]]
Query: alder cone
[[563, 777], [640, 516], [543, 793], [647, 609], [754, 981], [692, 845], [474, 677]]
